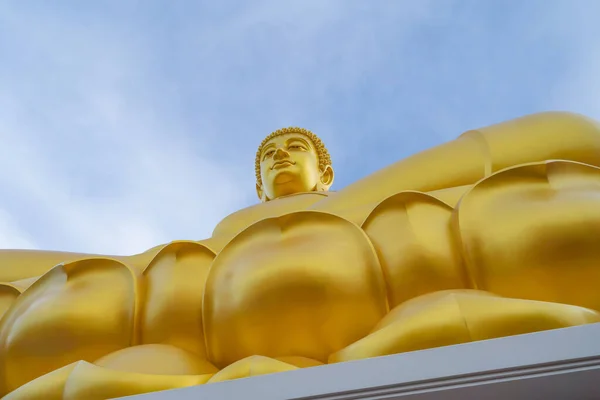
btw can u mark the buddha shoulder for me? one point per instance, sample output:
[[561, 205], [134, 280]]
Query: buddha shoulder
[[238, 221]]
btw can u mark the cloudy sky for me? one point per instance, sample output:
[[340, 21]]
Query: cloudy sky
[[126, 124]]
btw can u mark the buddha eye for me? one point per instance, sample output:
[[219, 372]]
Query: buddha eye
[[296, 147], [268, 154]]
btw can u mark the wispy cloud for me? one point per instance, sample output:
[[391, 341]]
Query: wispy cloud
[[91, 160], [128, 124]]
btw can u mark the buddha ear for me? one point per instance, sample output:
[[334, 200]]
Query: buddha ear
[[261, 193], [326, 178]]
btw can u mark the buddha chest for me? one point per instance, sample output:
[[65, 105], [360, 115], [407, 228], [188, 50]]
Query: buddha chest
[[304, 284]]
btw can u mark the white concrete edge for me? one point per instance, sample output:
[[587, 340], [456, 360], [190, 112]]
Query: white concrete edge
[[530, 356]]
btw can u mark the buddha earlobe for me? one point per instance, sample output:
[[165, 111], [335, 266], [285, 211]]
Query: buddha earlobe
[[326, 178], [261, 193]]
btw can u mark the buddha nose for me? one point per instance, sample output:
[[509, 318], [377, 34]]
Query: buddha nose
[[280, 154]]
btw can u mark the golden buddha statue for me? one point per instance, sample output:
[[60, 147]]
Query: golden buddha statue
[[496, 233]]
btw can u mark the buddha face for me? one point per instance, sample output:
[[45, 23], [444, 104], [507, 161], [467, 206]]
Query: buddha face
[[289, 164]]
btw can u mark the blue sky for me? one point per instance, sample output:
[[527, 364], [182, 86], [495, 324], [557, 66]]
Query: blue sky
[[126, 124]]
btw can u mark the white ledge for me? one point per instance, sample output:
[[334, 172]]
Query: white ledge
[[557, 364]]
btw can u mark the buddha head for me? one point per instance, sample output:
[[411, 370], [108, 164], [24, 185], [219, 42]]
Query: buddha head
[[289, 161]]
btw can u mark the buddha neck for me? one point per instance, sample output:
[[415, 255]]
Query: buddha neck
[[320, 193]]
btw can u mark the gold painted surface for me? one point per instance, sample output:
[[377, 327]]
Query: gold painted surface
[[78, 311], [477, 154], [251, 366], [315, 271], [49, 387], [90, 382], [18, 265], [450, 196], [171, 312], [306, 276], [82, 380], [234, 223], [21, 264], [454, 317], [412, 234], [157, 359], [533, 232], [23, 284], [8, 294], [300, 362]]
